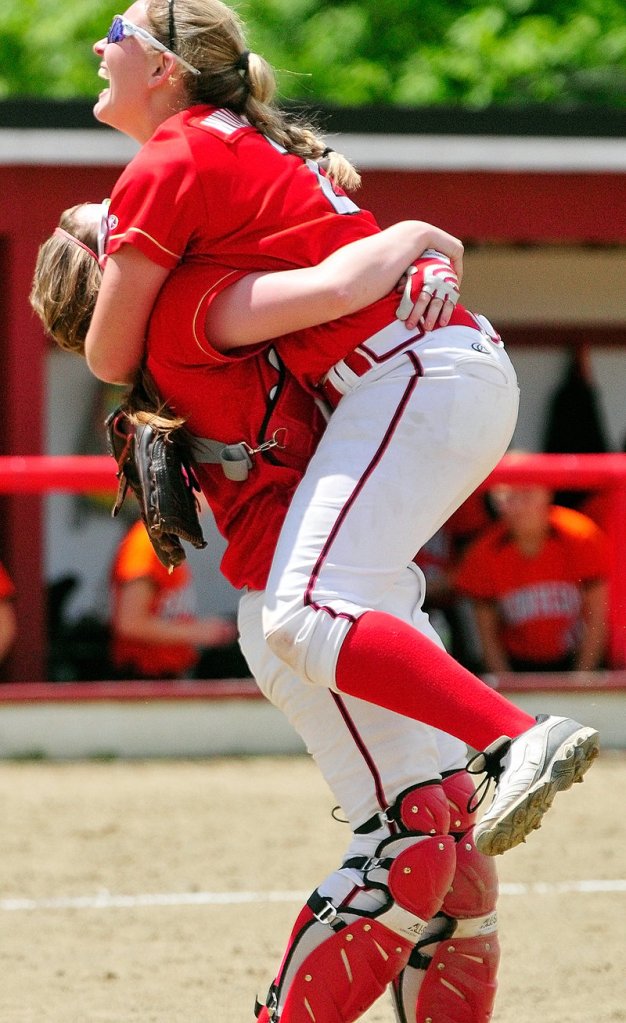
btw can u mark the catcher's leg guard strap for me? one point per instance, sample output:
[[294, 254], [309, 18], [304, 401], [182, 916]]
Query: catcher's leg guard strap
[[423, 809]]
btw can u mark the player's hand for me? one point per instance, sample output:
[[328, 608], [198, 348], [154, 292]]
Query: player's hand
[[430, 292], [441, 243]]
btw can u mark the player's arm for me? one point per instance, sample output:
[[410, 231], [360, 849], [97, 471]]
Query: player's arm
[[592, 646], [263, 306], [115, 340], [488, 626], [135, 620]]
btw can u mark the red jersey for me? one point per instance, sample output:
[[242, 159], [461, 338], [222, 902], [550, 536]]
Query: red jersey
[[7, 589], [244, 396], [207, 187], [538, 598], [174, 598]]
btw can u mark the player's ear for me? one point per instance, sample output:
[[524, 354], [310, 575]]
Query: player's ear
[[162, 70]]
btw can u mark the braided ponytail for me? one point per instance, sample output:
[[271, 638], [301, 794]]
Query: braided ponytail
[[210, 36]]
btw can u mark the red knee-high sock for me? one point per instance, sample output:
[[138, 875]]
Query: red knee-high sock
[[387, 662]]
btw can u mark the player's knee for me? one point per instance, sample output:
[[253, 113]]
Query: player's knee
[[308, 639], [281, 635], [280, 642]]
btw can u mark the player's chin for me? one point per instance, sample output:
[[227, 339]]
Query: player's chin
[[101, 106]]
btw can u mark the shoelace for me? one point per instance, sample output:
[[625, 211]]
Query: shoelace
[[489, 763]]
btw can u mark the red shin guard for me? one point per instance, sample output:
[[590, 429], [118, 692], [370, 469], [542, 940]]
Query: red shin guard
[[340, 978], [474, 890], [459, 790], [454, 980], [341, 958], [460, 984]]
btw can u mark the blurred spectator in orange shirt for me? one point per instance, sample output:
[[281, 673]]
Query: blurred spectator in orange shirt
[[8, 623], [155, 631], [538, 580]]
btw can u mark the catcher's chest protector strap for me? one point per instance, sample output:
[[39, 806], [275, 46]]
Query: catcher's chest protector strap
[[235, 459]]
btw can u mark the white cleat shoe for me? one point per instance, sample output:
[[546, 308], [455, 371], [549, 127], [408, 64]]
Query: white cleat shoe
[[529, 771]]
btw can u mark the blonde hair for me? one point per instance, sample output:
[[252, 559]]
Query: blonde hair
[[66, 282], [63, 294], [210, 36], [143, 404]]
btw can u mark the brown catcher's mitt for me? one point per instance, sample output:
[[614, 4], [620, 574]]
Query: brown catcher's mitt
[[156, 465]]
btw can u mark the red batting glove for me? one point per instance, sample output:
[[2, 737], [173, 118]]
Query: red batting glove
[[431, 291]]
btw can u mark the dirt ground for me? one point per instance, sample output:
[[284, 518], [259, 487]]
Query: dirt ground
[[163, 892]]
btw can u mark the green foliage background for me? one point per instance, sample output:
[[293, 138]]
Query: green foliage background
[[470, 53]]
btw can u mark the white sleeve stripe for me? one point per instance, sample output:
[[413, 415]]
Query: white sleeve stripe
[[224, 121]]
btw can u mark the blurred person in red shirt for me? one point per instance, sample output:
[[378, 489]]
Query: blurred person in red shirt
[[8, 622], [538, 579], [155, 630]]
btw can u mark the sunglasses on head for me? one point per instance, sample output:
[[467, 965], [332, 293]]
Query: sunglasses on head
[[122, 29], [103, 228]]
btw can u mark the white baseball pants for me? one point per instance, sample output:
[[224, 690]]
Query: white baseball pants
[[408, 442]]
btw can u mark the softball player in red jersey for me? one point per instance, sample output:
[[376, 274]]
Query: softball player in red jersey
[[401, 785], [418, 422]]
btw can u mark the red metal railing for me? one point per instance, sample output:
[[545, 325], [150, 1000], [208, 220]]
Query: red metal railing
[[33, 474]]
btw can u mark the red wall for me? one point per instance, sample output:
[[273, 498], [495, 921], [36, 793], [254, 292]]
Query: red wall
[[31, 199], [504, 206]]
